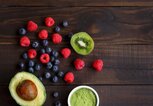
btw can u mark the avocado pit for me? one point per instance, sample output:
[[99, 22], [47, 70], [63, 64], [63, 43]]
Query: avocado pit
[[27, 90]]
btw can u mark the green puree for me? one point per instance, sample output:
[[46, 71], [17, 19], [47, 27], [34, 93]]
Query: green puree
[[83, 97]]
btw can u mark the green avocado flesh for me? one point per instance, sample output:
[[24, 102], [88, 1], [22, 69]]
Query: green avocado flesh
[[82, 43], [19, 78], [83, 97]]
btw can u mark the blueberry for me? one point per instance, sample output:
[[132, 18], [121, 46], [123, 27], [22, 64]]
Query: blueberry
[[54, 53], [40, 78], [25, 56], [70, 35], [49, 65], [31, 63], [57, 29], [55, 79], [42, 51], [35, 44], [58, 103], [52, 59], [31, 70], [21, 65], [47, 75], [37, 67], [55, 94], [22, 31], [55, 68], [45, 42], [56, 61], [60, 74], [65, 24], [48, 50]]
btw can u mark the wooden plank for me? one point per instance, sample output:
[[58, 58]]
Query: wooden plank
[[61, 3], [123, 64], [109, 95], [106, 24]]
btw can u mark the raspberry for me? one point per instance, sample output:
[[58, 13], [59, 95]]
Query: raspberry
[[69, 77], [56, 38], [32, 53], [49, 21], [43, 34], [66, 52], [32, 26], [79, 64], [97, 64], [25, 41], [44, 58]]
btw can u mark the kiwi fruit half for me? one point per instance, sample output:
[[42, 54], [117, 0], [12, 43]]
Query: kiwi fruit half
[[82, 43]]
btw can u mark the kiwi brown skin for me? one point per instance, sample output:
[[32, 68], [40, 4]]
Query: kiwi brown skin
[[82, 43]]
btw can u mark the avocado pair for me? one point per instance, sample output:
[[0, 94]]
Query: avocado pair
[[82, 43]]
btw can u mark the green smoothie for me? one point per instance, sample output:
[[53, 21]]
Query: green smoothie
[[83, 97]]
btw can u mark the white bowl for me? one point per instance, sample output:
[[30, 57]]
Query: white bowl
[[83, 86]]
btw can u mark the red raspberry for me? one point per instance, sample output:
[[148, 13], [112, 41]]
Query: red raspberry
[[49, 21], [32, 26], [43, 34], [97, 64], [69, 77], [79, 64], [25, 41], [44, 58], [66, 52], [56, 38], [32, 53]]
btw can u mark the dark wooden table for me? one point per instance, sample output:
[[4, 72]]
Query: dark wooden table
[[123, 35]]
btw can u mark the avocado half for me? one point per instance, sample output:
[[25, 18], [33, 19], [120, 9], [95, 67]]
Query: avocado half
[[17, 79], [82, 43]]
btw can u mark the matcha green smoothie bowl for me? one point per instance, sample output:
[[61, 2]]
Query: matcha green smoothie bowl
[[83, 96]]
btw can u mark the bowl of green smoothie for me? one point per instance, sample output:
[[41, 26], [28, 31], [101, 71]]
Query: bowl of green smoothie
[[83, 96]]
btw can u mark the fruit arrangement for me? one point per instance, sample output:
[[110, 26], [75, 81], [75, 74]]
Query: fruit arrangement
[[43, 61]]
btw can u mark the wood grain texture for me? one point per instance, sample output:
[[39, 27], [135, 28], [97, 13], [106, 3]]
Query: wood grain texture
[[61, 3], [109, 95]]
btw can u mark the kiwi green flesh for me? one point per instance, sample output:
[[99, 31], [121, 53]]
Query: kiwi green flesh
[[82, 43]]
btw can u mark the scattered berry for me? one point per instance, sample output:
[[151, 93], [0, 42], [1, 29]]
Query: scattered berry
[[65, 24], [25, 56], [32, 53], [45, 42], [66, 52], [69, 77], [55, 68], [35, 44], [44, 58], [54, 53], [57, 29], [60, 74], [49, 65], [21, 65], [97, 64], [49, 21], [56, 62], [69, 35], [22, 31], [79, 64], [52, 59], [31, 70], [42, 51], [55, 79], [25, 41], [48, 50], [47, 75], [58, 103], [31, 63], [32, 26], [56, 38], [40, 78], [43, 34], [37, 67], [55, 94]]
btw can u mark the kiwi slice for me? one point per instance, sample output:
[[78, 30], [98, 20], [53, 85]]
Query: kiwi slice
[[82, 43]]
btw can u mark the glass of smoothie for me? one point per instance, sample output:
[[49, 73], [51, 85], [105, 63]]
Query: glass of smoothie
[[83, 96]]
